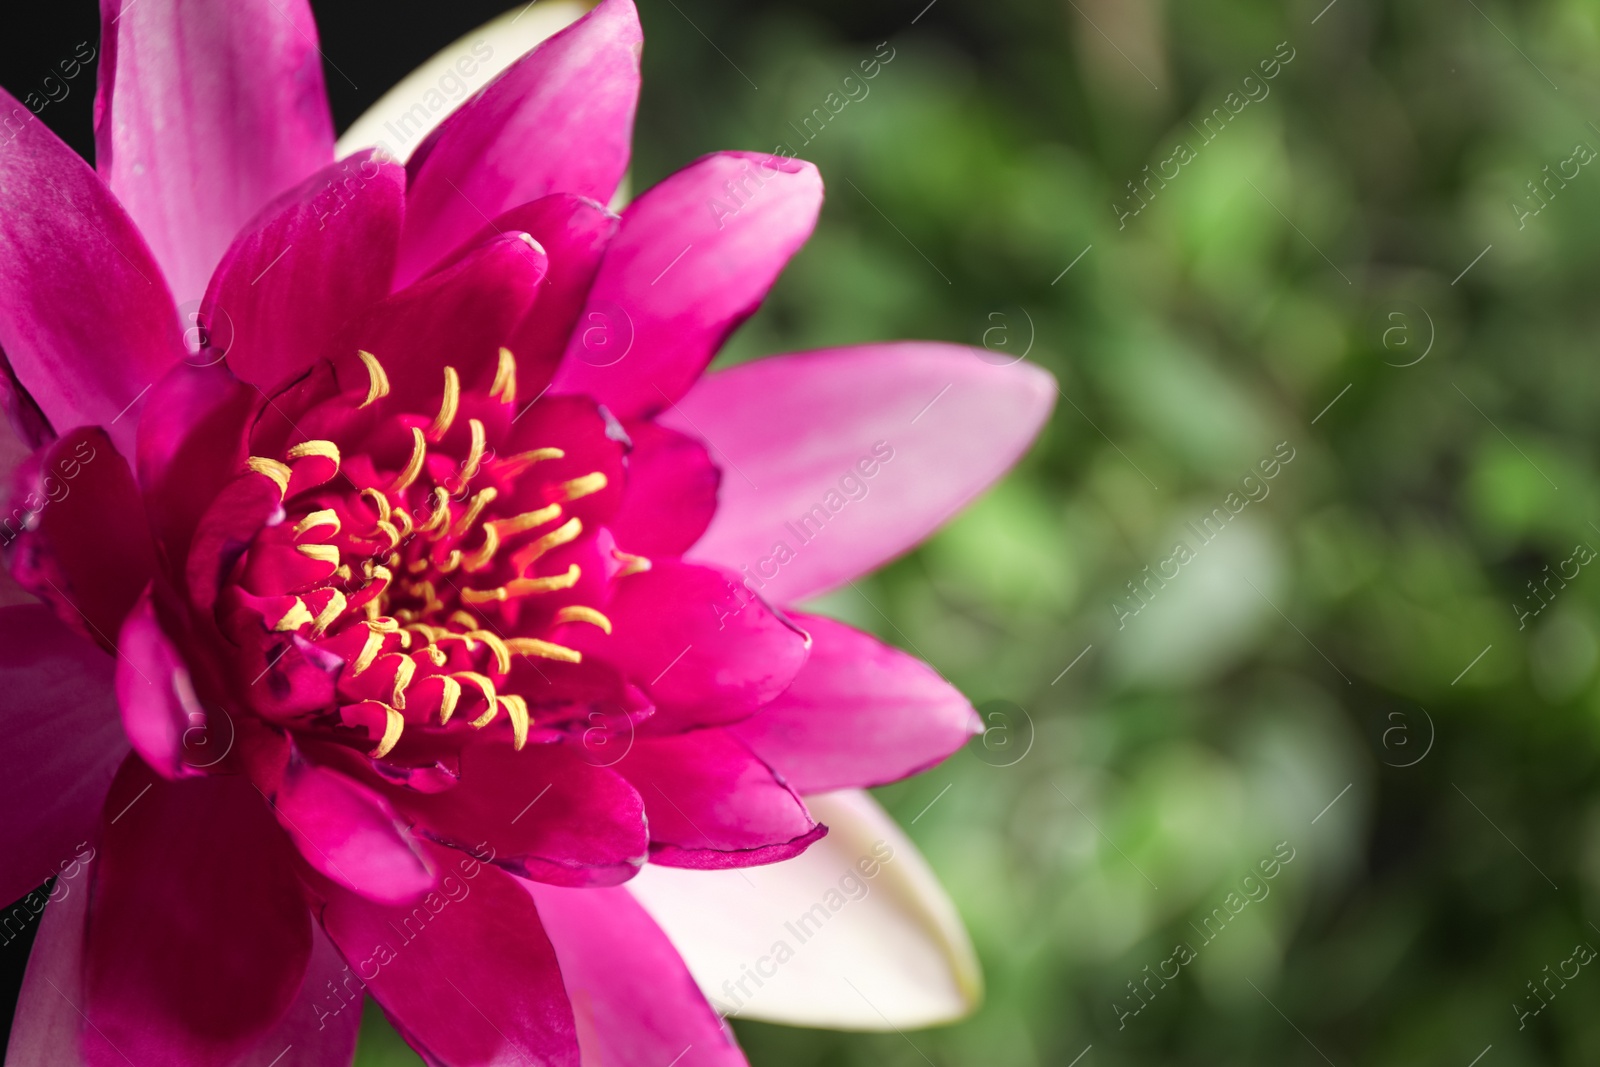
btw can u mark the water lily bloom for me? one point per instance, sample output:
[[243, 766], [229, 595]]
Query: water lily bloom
[[373, 623]]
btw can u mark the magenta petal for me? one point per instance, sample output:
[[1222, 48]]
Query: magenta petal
[[467, 975], [350, 834], [544, 813], [694, 257], [198, 932], [313, 259], [48, 1028], [204, 113], [672, 492], [63, 743], [559, 120], [858, 714], [646, 1012], [850, 456], [711, 803], [703, 648], [158, 701], [66, 245], [322, 1023]]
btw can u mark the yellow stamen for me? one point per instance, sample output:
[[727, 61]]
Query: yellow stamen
[[436, 654], [447, 406], [448, 698], [580, 613], [517, 712], [369, 652], [631, 564], [475, 450], [485, 686], [377, 380], [480, 500], [451, 562], [526, 521], [384, 624], [321, 553], [504, 388], [532, 646], [522, 587], [388, 531], [403, 523], [271, 468], [405, 638], [439, 517], [325, 517], [483, 555], [463, 620], [394, 725], [325, 449], [296, 617], [566, 533], [404, 671], [330, 611], [515, 465], [379, 501], [502, 654], [417, 566], [419, 452], [592, 482]]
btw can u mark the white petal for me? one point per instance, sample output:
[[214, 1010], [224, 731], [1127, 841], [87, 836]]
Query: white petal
[[828, 946], [404, 115]]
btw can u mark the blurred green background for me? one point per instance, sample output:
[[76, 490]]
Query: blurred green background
[[1350, 267]]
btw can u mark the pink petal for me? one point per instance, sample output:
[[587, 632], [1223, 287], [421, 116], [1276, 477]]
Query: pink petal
[[311, 260], [694, 257], [90, 553], [322, 1023], [846, 457], [711, 803], [63, 744], [205, 112], [159, 706], [704, 649], [467, 975], [198, 931], [460, 316], [66, 245], [559, 120], [646, 1012], [351, 834], [672, 492], [544, 813], [48, 1028], [858, 714]]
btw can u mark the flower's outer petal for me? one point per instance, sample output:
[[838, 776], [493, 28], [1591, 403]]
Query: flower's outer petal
[[703, 648], [421, 100], [156, 694], [314, 258], [461, 316], [63, 744], [559, 120], [48, 1029], [711, 803], [693, 258], [861, 905], [89, 554], [545, 813], [858, 714], [641, 1013], [199, 933], [672, 492], [468, 975], [204, 113], [350, 834], [850, 456], [67, 246], [322, 1024]]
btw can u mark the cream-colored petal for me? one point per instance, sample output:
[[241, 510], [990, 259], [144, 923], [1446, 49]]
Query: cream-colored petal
[[828, 945], [404, 115]]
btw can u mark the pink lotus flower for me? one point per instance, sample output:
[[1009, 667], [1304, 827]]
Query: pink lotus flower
[[432, 586]]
